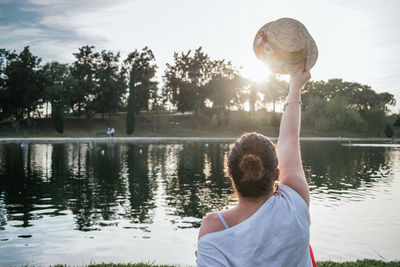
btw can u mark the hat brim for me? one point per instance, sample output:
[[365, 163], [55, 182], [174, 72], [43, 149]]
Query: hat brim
[[287, 68]]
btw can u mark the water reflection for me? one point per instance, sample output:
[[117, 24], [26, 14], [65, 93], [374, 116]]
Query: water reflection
[[105, 182], [344, 172], [20, 185], [199, 185], [141, 185], [101, 186]]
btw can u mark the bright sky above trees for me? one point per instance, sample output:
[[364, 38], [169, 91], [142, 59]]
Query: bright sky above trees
[[358, 40]]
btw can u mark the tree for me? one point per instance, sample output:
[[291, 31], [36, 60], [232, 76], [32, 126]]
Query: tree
[[275, 90], [4, 111], [312, 110], [58, 119], [388, 131], [130, 118], [358, 96], [223, 89], [21, 83], [338, 116], [397, 122], [139, 70], [225, 85], [254, 89], [387, 99], [84, 71], [313, 90], [370, 106], [110, 86], [223, 93], [57, 87], [185, 82]]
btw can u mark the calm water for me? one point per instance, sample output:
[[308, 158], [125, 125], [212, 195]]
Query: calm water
[[80, 203]]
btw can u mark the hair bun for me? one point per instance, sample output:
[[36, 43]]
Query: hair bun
[[252, 167]]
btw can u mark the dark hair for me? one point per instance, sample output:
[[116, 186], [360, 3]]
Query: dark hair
[[253, 164]]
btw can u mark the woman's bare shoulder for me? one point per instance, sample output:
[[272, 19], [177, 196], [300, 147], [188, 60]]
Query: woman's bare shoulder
[[210, 224]]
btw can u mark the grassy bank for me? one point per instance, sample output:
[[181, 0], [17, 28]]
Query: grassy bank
[[358, 263], [162, 125]]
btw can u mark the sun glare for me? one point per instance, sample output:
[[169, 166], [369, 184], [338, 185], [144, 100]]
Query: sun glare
[[246, 106], [256, 71]]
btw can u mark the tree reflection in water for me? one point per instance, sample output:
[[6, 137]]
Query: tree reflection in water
[[20, 184], [102, 184], [141, 188], [200, 185], [339, 170]]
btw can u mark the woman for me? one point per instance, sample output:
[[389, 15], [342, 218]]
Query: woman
[[264, 228]]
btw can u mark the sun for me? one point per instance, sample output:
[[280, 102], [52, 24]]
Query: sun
[[255, 70]]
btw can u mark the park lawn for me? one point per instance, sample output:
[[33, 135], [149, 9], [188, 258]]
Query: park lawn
[[359, 263], [164, 125]]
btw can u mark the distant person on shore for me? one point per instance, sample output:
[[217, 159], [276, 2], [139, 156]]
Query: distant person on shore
[[112, 132], [108, 132], [265, 228]]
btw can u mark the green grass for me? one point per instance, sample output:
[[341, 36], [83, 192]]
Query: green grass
[[162, 125], [358, 263], [120, 265], [129, 265]]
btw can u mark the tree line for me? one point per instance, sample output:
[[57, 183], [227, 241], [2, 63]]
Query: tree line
[[101, 82], [340, 105]]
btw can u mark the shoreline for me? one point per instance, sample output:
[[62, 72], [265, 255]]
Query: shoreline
[[45, 140]]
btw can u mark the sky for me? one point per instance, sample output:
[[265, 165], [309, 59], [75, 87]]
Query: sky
[[358, 40]]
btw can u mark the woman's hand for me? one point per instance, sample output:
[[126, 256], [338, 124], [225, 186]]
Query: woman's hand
[[300, 77], [289, 156]]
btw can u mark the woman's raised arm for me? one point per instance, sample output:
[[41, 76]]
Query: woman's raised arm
[[291, 168]]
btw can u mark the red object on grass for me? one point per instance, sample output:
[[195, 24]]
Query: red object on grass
[[312, 257]]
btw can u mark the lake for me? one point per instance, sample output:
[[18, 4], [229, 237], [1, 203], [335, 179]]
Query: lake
[[77, 203]]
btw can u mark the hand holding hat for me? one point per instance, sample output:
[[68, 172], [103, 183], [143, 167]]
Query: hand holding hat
[[301, 76]]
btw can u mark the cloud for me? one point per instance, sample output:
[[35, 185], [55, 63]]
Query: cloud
[[54, 28]]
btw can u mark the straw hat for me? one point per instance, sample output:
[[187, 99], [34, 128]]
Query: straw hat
[[284, 44]]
